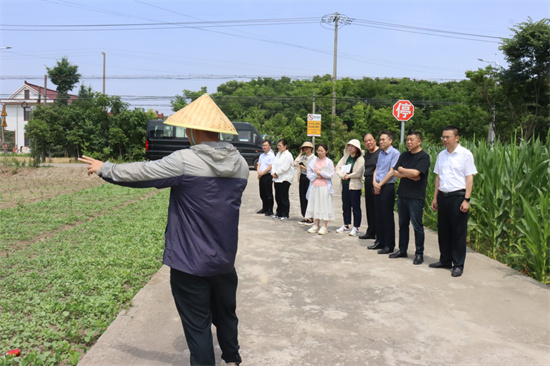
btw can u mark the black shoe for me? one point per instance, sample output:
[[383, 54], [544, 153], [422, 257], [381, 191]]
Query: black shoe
[[269, 213], [418, 259], [440, 265], [385, 250], [398, 254], [367, 236], [261, 211], [456, 272], [376, 245]]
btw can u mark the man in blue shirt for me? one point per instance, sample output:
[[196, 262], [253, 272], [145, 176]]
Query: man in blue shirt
[[384, 193]]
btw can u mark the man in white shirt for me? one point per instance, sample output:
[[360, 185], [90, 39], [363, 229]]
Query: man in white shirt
[[266, 180], [455, 171]]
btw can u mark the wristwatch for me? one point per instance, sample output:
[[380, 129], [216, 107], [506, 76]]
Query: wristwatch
[[466, 199]]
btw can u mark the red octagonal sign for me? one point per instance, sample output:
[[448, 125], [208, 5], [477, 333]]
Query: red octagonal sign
[[403, 110]]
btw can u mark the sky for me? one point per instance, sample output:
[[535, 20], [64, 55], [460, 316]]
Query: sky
[[156, 49]]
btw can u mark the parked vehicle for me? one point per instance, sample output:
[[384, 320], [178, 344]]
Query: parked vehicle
[[162, 140]]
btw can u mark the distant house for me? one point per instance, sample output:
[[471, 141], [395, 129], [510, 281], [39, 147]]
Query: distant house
[[19, 106]]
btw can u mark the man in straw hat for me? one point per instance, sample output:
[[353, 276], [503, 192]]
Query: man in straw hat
[[207, 182]]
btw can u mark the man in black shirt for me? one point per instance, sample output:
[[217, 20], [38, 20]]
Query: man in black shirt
[[412, 169], [371, 157]]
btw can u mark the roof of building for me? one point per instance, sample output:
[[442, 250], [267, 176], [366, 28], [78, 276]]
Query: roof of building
[[50, 93]]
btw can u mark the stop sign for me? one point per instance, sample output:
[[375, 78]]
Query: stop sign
[[403, 110]]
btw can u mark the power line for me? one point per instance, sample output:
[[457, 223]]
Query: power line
[[196, 77], [146, 26], [409, 27]]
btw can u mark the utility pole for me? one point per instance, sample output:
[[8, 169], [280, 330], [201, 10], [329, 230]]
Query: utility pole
[[313, 111], [334, 64], [491, 132], [339, 20], [45, 88], [103, 53]]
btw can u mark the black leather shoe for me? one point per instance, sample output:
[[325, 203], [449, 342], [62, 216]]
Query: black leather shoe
[[269, 213], [261, 211], [367, 236], [456, 272], [376, 245], [418, 259], [398, 254], [385, 250], [439, 265]]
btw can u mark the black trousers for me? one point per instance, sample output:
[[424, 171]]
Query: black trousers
[[201, 302], [266, 192], [304, 185], [411, 210], [281, 196], [385, 225], [351, 202], [452, 229], [369, 206]]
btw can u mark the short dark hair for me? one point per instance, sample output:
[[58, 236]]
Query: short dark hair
[[455, 130], [324, 146], [268, 142], [388, 133], [283, 141], [372, 134], [417, 133]]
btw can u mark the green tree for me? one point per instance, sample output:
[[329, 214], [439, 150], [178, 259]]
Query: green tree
[[65, 76], [526, 81], [188, 96], [40, 138]]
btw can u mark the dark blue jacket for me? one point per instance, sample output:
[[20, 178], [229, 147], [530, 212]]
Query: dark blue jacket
[[207, 182]]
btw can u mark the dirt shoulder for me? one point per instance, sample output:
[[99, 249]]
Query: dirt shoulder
[[23, 185]]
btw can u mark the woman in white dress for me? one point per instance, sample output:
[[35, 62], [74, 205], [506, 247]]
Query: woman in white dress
[[320, 172]]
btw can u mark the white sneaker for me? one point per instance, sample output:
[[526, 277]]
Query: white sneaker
[[323, 231], [342, 229], [354, 232], [313, 229]]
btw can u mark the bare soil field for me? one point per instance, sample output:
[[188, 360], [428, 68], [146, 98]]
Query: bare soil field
[[22, 185]]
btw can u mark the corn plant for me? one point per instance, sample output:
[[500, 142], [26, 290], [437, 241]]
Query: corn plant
[[532, 249]]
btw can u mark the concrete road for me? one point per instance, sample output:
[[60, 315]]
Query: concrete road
[[306, 299]]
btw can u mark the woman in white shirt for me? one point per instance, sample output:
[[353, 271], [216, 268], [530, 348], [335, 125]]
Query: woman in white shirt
[[350, 169], [302, 162], [282, 171]]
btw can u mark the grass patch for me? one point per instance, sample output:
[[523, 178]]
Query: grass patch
[[27, 222], [58, 295]]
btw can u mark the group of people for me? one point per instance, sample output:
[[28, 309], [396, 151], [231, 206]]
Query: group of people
[[378, 167], [207, 182]]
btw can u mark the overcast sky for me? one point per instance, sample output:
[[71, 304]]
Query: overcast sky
[[155, 49]]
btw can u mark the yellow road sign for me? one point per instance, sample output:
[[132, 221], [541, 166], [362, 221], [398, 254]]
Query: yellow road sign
[[4, 114], [314, 125], [4, 124]]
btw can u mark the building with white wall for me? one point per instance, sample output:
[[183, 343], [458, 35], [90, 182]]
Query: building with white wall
[[19, 106]]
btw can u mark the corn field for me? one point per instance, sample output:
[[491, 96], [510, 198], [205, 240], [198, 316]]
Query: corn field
[[510, 213]]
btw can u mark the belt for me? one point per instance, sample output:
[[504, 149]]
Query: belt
[[460, 192]]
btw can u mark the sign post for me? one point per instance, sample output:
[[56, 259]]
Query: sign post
[[314, 125], [4, 124], [403, 110]]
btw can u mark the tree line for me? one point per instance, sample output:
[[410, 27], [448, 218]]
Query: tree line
[[514, 99]]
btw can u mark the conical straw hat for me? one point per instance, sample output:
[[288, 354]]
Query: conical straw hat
[[202, 114]]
